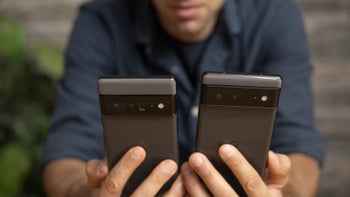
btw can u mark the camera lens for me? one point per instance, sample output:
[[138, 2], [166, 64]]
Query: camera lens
[[161, 106], [264, 98]]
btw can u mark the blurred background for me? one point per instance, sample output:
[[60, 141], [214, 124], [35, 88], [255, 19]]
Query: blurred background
[[33, 34]]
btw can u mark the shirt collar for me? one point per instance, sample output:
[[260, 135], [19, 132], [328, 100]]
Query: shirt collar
[[145, 21]]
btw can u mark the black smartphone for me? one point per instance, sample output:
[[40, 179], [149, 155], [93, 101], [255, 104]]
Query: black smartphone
[[139, 111], [237, 109]]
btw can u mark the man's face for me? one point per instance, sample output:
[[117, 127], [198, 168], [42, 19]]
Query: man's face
[[188, 20]]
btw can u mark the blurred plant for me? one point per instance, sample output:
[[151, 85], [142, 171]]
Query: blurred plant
[[26, 101]]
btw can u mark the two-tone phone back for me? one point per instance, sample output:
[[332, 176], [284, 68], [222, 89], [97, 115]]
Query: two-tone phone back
[[237, 109], [139, 111]]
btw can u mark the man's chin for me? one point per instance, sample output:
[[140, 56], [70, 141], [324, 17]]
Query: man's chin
[[189, 29]]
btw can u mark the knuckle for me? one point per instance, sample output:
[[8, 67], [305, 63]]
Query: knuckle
[[227, 193], [284, 170], [236, 165], [206, 173], [90, 167], [112, 187], [160, 178], [288, 165], [112, 184], [284, 173], [253, 184]]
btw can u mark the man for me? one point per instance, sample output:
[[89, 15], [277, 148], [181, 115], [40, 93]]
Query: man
[[183, 38]]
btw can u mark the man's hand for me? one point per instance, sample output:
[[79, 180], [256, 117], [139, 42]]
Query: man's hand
[[69, 177], [276, 178], [107, 184]]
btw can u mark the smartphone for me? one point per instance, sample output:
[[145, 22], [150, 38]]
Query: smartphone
[[139, 111], [237, 109]]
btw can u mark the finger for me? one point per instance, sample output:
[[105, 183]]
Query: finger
[[177, 188], [217, 185], [121, 172], [278, 166], [96, 172], [192, 183], [248, 177], [158, 177]]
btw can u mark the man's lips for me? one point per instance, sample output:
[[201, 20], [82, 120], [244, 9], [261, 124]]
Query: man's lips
[[186, 12]]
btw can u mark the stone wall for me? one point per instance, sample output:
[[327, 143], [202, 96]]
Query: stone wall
[[44, 20], [328, 28]]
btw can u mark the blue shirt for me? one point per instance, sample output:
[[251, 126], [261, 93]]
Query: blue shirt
[[122, 37]]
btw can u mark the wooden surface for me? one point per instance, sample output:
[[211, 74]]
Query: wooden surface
[[328, 28]]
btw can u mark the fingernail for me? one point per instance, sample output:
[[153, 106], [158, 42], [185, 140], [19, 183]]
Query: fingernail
[[275, 158], [185, 169], [136, 153], [168, 168], [102, 169], [197, 161], [227, 150]]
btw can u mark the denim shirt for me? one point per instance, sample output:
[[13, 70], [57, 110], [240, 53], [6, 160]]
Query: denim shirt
[[122, 37]]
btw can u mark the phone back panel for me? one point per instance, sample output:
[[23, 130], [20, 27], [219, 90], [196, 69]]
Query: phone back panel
[[233, 110], [156, 134], [248, 129], [151, 132], [139, 112]]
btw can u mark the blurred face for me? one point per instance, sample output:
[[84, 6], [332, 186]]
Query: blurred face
[[188, 20]]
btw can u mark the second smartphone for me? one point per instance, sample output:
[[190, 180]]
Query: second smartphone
[[139, 112], [237, 109]]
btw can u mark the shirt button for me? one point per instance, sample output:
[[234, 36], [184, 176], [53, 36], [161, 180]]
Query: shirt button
[[194, 111], [175, 69]]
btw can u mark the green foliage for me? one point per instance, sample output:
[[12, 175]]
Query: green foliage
[[49, 59], [26, 101], [11, 39], [14, 156]]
